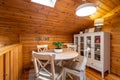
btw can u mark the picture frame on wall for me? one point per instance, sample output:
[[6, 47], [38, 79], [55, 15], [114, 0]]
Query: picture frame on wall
[[91, 30]]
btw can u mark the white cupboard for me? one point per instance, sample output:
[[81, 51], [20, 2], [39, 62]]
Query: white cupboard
[[99, 56]]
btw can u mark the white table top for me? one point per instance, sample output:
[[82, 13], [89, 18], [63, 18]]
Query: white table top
[[65, 55]]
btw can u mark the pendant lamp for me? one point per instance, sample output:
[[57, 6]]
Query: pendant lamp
[[85, 9]]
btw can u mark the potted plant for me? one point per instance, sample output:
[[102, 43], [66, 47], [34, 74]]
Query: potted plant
[[58, 48]]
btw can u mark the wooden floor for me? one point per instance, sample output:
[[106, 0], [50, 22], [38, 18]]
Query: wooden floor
[[91, 74], [95, 75]]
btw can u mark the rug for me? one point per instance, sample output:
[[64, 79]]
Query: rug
[[31, 74]]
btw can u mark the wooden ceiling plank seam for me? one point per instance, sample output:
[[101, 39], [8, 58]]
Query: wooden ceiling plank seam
[[108, 3], [112, 12], [116, 2]]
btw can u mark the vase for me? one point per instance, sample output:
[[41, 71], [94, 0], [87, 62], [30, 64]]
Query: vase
[[58, 50]]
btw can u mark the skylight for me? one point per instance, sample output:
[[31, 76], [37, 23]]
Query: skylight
[[50, 3]]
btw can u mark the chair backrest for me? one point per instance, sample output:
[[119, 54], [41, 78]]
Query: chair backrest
[[72, 47], [39, 66], [84, 62], [42, 48]]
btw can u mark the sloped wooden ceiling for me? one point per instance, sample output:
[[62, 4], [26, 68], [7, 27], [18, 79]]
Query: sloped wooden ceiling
[[23, 16]]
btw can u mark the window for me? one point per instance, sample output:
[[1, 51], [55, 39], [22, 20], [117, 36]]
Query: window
[[50, 3]]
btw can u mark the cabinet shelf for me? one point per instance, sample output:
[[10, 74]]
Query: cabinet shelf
[[82, 50], [82, 42], [97, 53], [97, 43]]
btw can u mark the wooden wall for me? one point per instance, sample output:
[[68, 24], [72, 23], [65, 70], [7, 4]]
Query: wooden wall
[[112, 25], [8, 38], [29, 43]]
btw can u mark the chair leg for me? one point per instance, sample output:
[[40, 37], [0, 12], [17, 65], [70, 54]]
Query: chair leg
[[69, 75], [64, 75], [82, 76]]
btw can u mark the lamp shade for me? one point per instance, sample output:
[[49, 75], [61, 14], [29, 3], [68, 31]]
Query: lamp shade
[[99, 22], [85, 9]]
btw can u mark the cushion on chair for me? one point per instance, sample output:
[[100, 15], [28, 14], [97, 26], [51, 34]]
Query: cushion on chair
[[43, 74], [74, 65]]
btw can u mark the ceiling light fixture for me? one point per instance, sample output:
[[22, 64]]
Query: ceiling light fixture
[[85, 9]]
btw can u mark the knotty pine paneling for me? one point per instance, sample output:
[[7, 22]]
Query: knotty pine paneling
[[112, 25], [8, 32], [32, 18], [29, 43], [8, 38]]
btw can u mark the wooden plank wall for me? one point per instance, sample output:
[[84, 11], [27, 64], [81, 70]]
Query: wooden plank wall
[[112, 25], [8, 38], [8, 32], [29, 43]]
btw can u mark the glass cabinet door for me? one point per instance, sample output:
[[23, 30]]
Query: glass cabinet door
[[81, 45], [88, 44], [76, 42], [97, 41]]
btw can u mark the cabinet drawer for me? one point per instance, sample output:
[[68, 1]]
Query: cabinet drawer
[[97, 66]]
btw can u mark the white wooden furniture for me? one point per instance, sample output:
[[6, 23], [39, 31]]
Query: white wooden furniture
[[46, 70], [78, 68], [65, 55], [72, 47], [99, 56], [42, 48]]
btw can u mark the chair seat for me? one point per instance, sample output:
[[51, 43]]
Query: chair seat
[[73, 65], [43, 74]]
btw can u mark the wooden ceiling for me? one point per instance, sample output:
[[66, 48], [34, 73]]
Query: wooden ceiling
[[23, 16]]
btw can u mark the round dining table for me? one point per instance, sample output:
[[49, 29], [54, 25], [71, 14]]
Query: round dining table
[[65, 55]]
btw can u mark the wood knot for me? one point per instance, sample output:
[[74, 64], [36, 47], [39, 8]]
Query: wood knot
[[3, 2]]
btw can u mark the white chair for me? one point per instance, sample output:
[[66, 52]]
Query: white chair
[[46, 71], [42, 48], [78, 68], [72, 47]]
